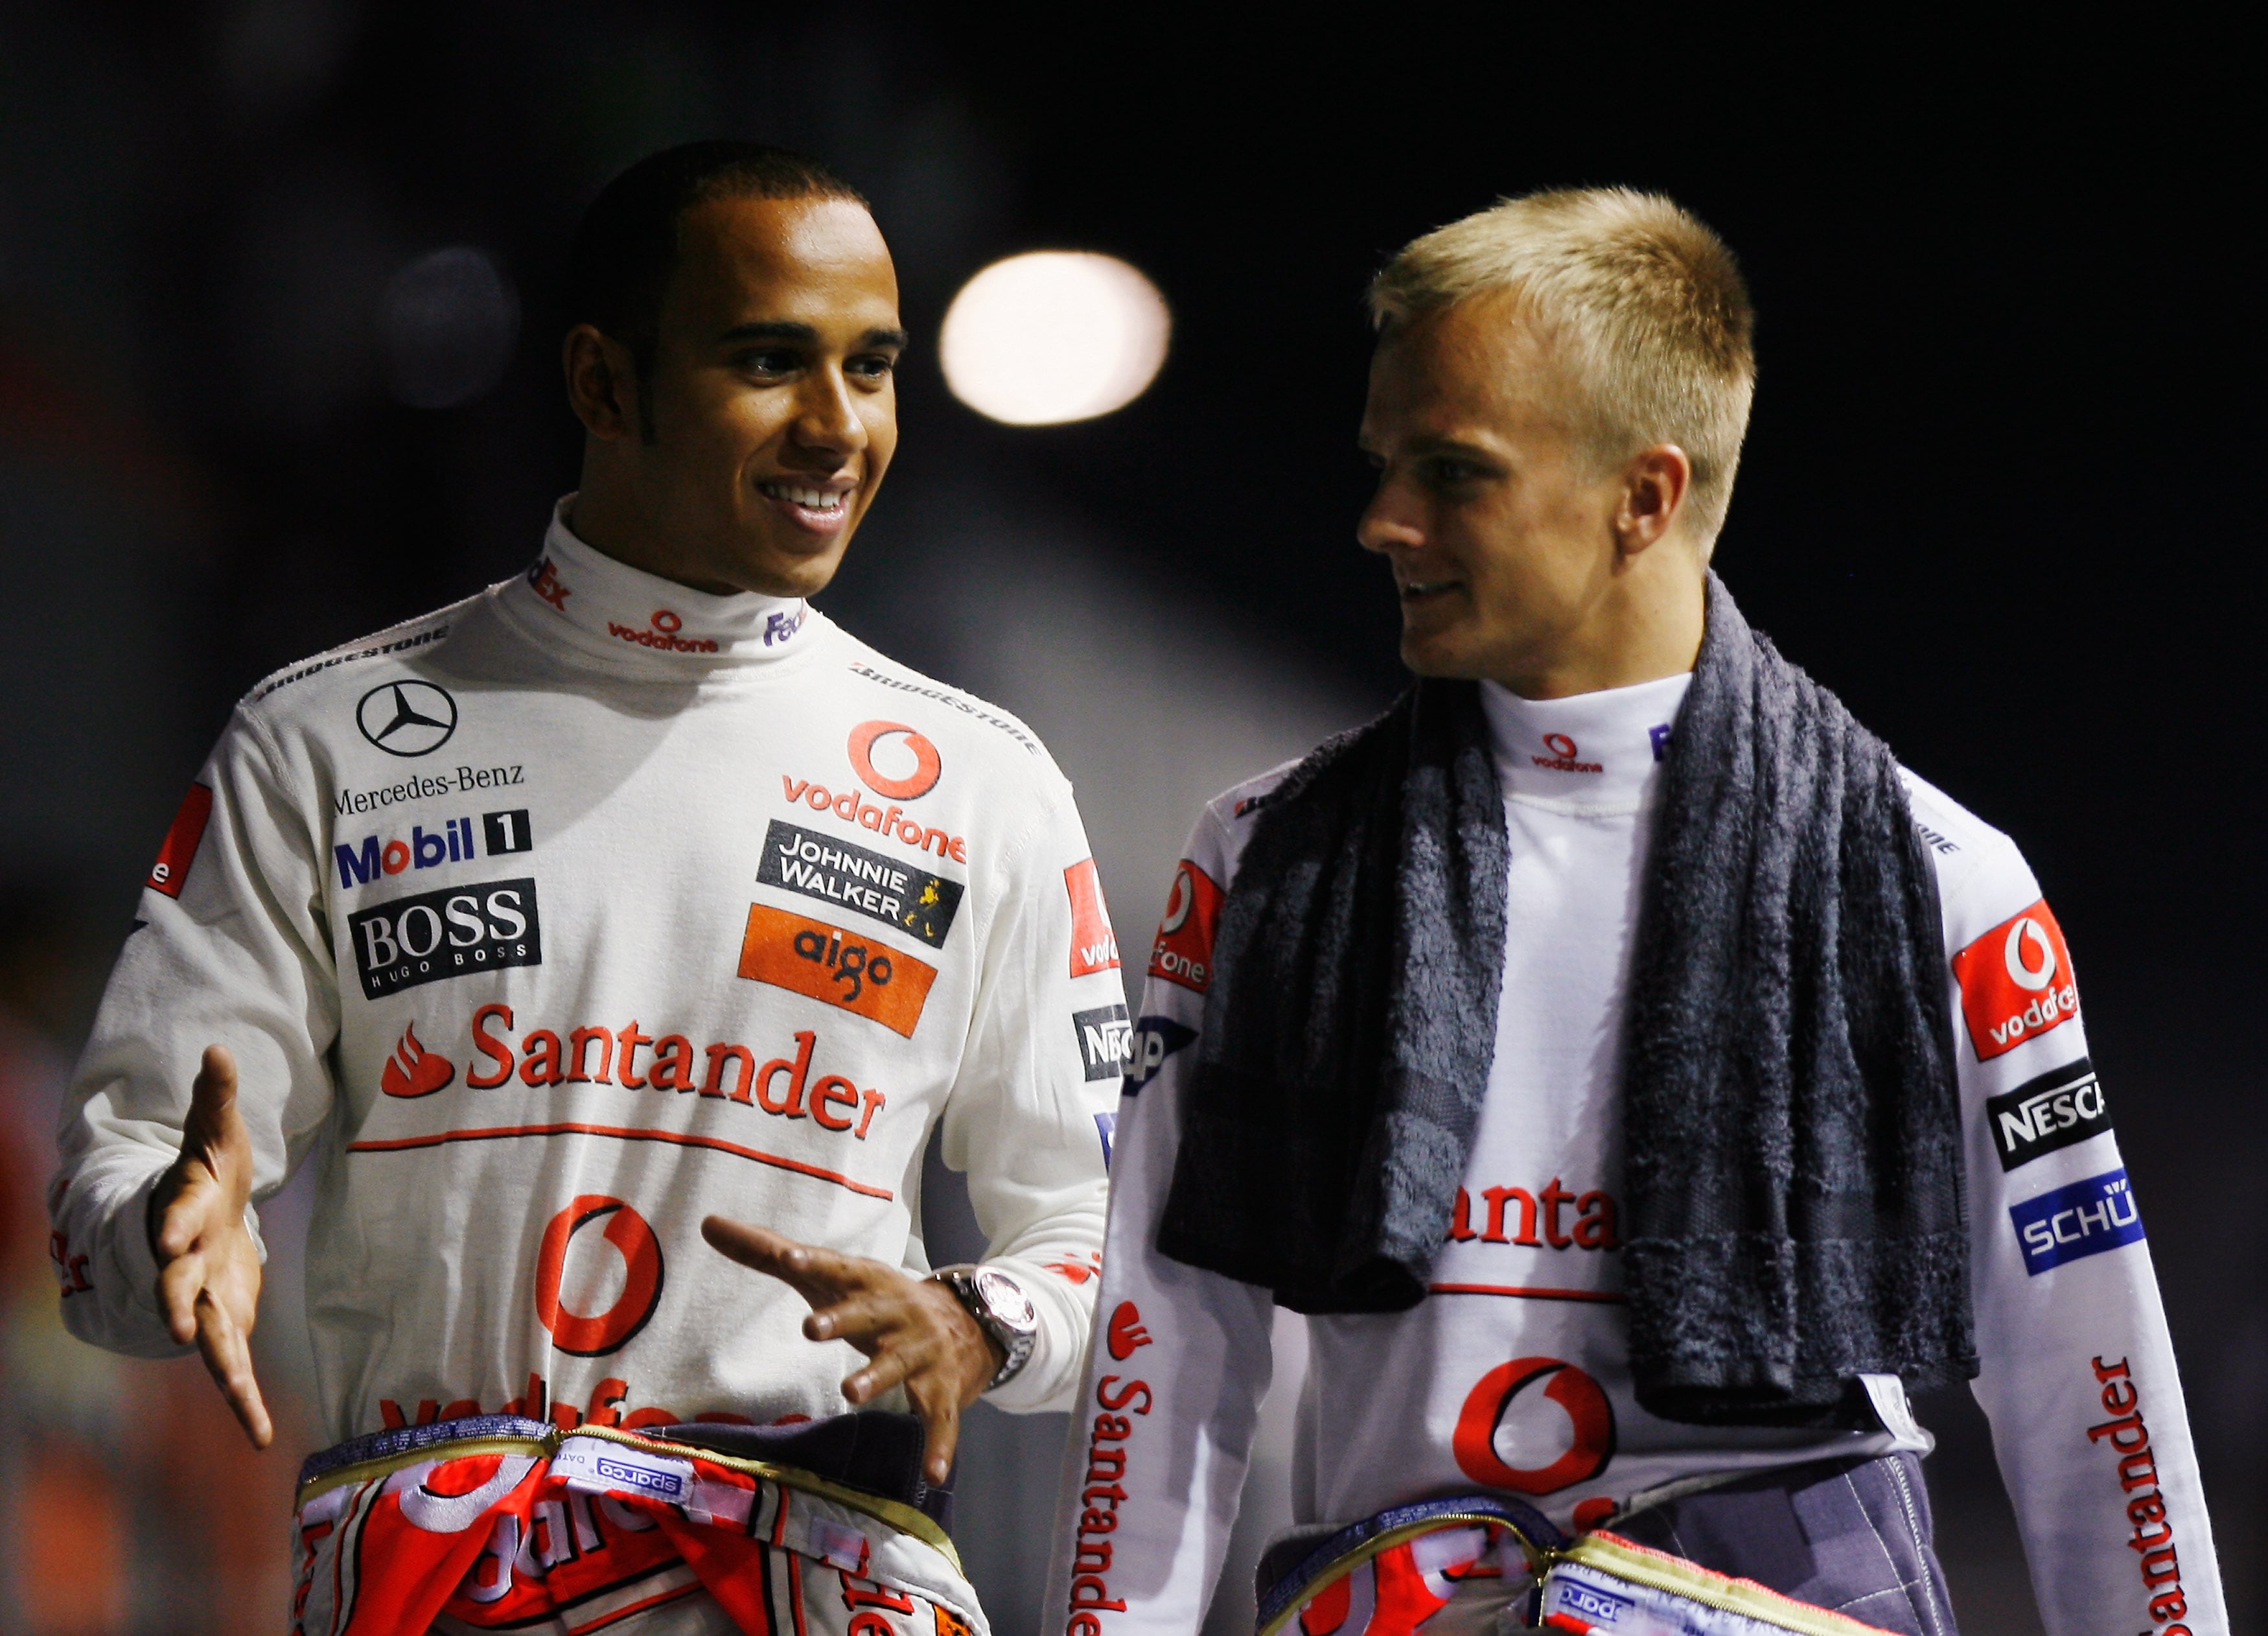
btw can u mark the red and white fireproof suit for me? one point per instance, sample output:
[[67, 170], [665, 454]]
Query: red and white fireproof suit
[[549, 923], [1513, 1374]]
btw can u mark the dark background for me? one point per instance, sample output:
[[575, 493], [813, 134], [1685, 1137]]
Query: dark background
[[1997, 491]]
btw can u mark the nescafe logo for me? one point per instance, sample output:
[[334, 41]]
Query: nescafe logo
[[593, 1335], [868, 736], [1503, 1413]]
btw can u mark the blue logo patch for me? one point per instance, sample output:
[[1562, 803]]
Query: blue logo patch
[[1107, 1124], [2074, 1222], [1154, 1039]]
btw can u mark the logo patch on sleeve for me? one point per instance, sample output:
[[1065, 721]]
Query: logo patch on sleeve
[[838, 967], [2016, 981], [1184, 951], [1093, 945], [2071, 1223], [179, 850], [2062, 1107], [1103, 1043]]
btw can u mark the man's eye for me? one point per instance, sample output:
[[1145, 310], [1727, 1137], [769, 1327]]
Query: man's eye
[[876, 367], [770, 363], [1448, 472]]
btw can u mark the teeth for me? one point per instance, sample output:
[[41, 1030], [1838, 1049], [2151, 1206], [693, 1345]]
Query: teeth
[[813, 499]]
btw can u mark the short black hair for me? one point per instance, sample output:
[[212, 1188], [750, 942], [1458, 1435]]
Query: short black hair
[[626, 247]]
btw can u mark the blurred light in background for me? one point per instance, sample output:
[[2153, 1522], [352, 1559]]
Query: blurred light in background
[[449, 322], [1052, 336]]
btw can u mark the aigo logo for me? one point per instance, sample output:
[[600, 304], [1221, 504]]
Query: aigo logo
[[1500, 1415], [919, 780], [2016, 981], [593, 1336]]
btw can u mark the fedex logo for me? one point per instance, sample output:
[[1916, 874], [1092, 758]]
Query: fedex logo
[[452, 843], [2016, 981], [2071, 1223]]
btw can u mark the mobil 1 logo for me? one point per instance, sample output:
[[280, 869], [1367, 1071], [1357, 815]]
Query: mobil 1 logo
[[1105, 1044], [451, 932], [2062, 1107]]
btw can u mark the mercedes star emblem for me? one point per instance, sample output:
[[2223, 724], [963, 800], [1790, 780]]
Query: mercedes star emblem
[[406, 718]]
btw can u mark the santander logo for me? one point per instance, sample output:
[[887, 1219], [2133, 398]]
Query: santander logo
[[413, 1071], [2016, 981]]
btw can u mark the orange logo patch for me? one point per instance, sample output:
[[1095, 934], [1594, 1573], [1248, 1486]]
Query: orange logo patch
[[844, 969]]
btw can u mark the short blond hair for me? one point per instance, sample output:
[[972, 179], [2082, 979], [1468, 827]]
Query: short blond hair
[[1644, 305]]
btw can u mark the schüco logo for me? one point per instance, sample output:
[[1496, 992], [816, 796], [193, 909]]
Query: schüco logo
[[1565, 757], [662, 627], [2016, 981]]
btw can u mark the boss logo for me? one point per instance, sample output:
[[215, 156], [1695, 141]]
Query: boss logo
[[453, 932]]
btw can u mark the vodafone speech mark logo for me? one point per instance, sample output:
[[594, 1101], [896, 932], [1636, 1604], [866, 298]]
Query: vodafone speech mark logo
[[1564, 756], [896, 741], [2016, 981], [1503, 1419], [1093, 945], [662, 626], [639, 1252], [1184, 951]]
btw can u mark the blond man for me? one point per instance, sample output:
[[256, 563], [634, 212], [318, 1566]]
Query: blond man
[[1637, 1078]]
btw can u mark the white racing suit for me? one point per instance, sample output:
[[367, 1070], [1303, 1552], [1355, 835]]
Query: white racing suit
[[1513, 1377], [556, 921]]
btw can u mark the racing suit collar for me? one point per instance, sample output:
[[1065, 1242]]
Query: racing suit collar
[[1591, 752], [649, 622]]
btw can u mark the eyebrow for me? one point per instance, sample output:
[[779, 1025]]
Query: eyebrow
[[805, 335]]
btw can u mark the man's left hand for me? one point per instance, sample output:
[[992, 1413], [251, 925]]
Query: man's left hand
[[917, 1332]]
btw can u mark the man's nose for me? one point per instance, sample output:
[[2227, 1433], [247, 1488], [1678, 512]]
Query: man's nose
[[1390, 522], [826, 419]]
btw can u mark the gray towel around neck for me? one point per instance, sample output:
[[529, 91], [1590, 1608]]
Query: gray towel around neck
[[1794, 1204]]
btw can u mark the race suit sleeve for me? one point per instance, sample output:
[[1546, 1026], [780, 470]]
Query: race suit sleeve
[[2077, 1372], [1024, 1120], [1180, 1359], [228, 949]]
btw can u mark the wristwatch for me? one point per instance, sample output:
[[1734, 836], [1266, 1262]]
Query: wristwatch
[[1001, 1309]]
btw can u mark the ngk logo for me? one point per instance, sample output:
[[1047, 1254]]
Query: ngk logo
[[1184, 951], [2016, 981], [662, 627]]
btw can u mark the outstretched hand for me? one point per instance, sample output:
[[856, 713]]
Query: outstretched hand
[[208, 1265], [917, 1332]]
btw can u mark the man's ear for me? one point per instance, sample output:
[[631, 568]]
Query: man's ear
[[1654, 486], [602, 385]]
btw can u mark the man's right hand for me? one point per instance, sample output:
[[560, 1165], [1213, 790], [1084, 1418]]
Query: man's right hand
[[208, 1265]]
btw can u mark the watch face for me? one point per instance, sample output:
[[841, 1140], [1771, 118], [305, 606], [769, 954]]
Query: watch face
[[1006, 1299]]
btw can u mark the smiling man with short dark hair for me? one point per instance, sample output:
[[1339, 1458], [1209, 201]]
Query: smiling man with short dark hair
[[627, 904]]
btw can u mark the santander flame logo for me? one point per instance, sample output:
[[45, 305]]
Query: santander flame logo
[[413, 1071]]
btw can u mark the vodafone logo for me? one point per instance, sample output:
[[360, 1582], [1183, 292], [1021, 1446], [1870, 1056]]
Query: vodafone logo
[[2031, 957], [899, 745], [1564, 756], [2016, 981], [666, 622], [662, 626], [1531, 1407], [572, 1260], [1183, 953]]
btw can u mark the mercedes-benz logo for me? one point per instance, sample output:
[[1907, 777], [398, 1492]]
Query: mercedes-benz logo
[[406, 718]]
